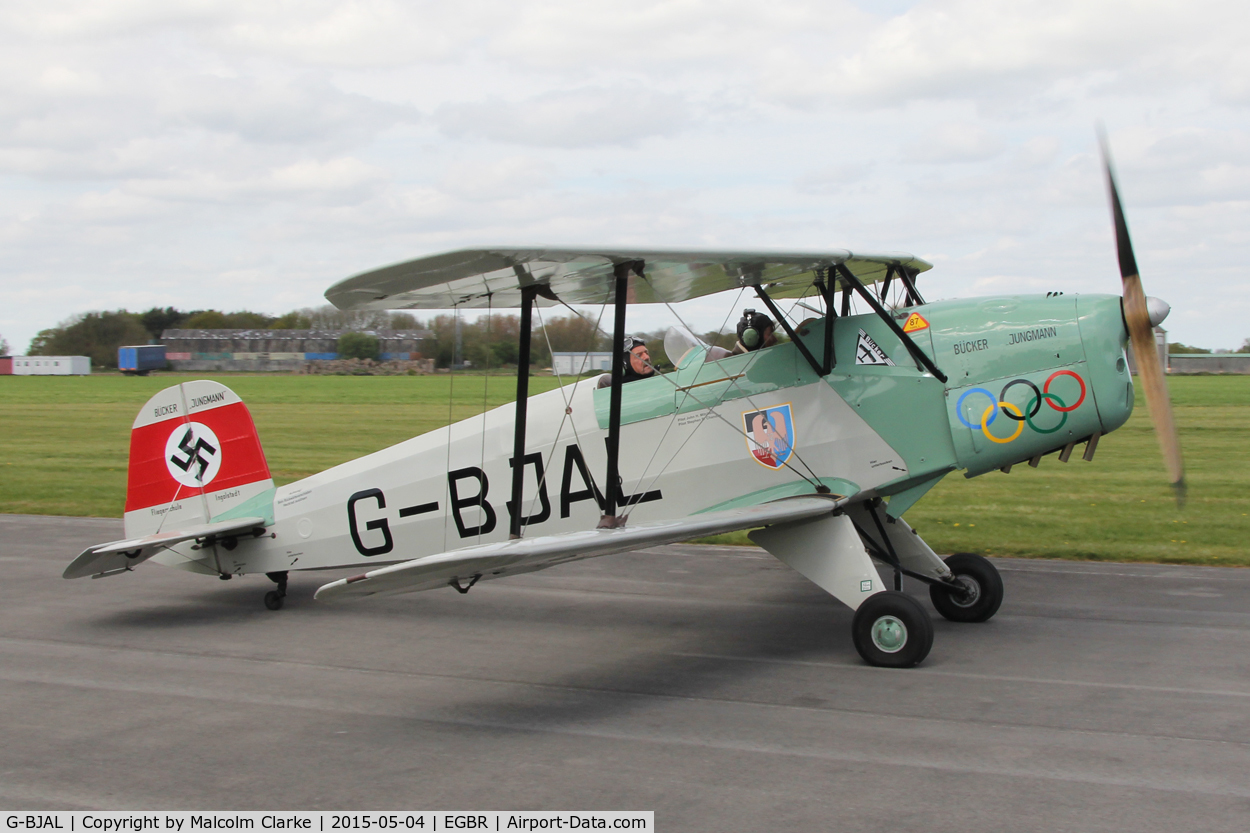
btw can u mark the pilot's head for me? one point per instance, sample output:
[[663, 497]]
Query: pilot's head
[[639, 358], [755, 330]]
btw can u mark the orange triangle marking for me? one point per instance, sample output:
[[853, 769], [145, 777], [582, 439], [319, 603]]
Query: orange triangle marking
[[915, 322]]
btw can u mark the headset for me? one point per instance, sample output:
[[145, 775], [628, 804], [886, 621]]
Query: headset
[[751, 328]]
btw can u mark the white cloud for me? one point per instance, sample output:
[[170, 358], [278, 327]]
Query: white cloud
[[154, 152], [582, 117], [952, 142]]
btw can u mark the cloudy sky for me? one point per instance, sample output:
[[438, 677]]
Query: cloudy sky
[[247, 154]]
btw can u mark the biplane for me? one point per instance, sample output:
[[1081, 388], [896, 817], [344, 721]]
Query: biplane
[[818, 444]]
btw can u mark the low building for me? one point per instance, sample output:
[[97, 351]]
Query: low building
[[575, 364], [270, 350], [51, 365], [1181, 364]]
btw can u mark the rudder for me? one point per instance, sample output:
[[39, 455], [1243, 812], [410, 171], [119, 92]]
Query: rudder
[[194, 454]]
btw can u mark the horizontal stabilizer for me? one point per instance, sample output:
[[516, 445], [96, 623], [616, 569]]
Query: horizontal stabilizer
[[118, 556], [525, 555]]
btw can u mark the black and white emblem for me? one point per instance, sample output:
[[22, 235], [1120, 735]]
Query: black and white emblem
[[868, 351], [193, 454]]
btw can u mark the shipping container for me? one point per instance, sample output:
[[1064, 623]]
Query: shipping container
[[51, 366], [139, 359]]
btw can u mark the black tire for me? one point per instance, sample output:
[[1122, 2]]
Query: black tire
[[892, 630], [273, 600], [984, 584]]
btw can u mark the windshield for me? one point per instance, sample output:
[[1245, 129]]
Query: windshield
[[682, 346]]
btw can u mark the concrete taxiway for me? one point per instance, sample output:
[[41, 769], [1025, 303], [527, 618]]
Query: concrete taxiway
[[711, 685]]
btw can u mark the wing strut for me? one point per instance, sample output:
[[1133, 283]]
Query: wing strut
[[908, 278], [612, 489], [821, 370], [522, 402], [913, 348], [824, 283]]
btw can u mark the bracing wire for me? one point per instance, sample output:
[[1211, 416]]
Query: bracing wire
[[710, 407], [568, 399], [642, 488], [793, 451]]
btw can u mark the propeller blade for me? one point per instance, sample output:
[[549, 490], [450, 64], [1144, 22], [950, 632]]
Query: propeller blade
[[1141, 336]]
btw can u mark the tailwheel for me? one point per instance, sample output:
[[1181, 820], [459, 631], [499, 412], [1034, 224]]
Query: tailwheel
[[892, 630], [275, 598], [979, 593]]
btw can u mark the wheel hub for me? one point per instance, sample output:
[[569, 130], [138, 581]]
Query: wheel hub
[[889, 634], [971, 591]]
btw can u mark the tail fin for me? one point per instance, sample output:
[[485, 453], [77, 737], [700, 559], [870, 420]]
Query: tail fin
[[194, 454]]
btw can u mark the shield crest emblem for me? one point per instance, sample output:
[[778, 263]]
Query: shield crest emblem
[[769, 435]]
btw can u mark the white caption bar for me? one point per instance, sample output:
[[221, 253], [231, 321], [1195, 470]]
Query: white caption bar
[[328, 822]]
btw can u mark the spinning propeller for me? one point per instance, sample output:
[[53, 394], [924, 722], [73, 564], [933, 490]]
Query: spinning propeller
[[1140, 322]]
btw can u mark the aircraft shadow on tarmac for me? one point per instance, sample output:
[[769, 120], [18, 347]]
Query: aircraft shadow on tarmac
[[626, 649]]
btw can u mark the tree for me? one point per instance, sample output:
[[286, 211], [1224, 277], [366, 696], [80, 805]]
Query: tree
[[358, 346], [4, 346], [158, 320], [93, 334], [1245, 347], [209, 319], [573, 334], [404, 321], [291, 321], [715, 338], [1177, 347]]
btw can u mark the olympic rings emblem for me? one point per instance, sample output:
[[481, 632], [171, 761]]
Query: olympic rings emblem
[[1014, 412]]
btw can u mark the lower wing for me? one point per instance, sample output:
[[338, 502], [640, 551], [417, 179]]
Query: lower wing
[[528, 554]]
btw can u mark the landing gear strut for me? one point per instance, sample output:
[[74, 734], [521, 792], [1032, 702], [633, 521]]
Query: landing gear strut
[[274, 598]]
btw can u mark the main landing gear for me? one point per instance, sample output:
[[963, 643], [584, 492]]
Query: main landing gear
[[982, 589], [274, 598], [893, 630]]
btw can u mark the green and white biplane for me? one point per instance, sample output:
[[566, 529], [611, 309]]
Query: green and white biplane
[[819, 444]]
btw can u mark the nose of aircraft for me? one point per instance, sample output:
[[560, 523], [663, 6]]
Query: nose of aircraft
[[1157, 309]]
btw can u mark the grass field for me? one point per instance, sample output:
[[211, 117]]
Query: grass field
[[64, 441]]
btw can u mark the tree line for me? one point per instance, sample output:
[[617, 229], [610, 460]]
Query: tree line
[[485, 343]]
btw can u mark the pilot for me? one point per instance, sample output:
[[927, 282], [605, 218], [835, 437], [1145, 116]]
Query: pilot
[[637, 363], [755, 330]]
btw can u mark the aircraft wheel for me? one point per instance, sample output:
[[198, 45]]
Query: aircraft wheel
[[892, 630], [273, 600], [983, 589]]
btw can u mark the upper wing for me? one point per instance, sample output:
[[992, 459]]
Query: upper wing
[[118, 556], [528, 554], [469, 277]]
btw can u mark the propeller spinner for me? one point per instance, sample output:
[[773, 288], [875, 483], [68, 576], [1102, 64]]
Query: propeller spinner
[[1141, 315]]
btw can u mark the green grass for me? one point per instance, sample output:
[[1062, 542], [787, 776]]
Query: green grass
[[64, 441]]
